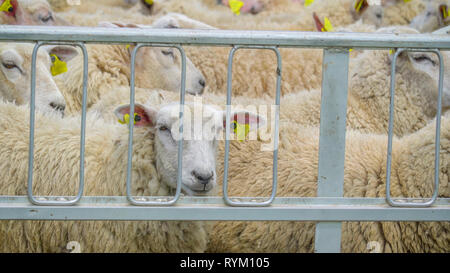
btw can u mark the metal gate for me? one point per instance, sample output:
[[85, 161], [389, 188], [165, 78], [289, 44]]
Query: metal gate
[[329, 209]]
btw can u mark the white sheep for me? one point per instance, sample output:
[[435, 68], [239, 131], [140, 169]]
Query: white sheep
[[154, 173], [15, 75], [365, 175]]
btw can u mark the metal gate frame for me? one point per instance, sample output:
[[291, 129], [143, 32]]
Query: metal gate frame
[[330, 208]]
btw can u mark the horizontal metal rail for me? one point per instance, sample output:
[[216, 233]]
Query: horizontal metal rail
[[98, 35], [214, 208]]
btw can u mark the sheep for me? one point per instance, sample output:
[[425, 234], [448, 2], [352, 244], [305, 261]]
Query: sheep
[[154, 173], [365, 173], [432, 17], [15, 75], [109, 65]]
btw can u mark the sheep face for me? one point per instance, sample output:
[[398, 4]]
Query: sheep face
[[431, 19], [422, 68], [158, 67], [163, 66], [40, 12], [202, 128], [428, 64], [372, 14], [15, 75]]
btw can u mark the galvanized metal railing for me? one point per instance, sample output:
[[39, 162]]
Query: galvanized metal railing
[[402, 202], [131, 199], [62, 201], [227, 199], [329, 208]]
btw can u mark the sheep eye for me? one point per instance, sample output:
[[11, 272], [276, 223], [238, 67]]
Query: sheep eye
[[9, 65], [46, 19], [424, 58], [167, 53], [163, 128]]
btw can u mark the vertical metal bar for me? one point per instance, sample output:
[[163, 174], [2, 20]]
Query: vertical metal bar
[[130, 198], [32, 199], [417, 202], [227, 199], [333, 115]]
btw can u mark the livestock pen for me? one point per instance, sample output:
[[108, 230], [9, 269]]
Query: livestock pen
[[329, 208]]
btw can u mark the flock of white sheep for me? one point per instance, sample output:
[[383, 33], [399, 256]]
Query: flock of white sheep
[[59, 101]]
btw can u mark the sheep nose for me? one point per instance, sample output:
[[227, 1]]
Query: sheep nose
[[203, 178], [58, 106], [256, 8], [202, 83]]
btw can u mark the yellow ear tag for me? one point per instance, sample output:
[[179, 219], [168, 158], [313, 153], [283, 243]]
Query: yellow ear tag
[[58, 66], [240, 130], [6, 6], [126, 119], [308, 2], [391, 51], [444, 11], [406, 1], [358, 5], [236, 6], [150, 2], [327, 27]]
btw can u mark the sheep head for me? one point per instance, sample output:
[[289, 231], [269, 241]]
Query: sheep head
[[203, 126], [160, 67], [15, 75]]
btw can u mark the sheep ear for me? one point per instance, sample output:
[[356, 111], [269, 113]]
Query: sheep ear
[[144, 116], [443, 12], [64, 53], [107, 24], [400, 59], [254, 121], [117, 24], [166, 21]]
